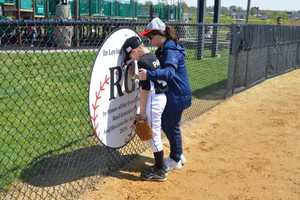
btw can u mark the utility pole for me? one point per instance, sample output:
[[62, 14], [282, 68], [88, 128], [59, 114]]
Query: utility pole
[[18, 17], [248, 11], [47, 9], [200, 23], [33, 9], [217, 11], [76, 27], [18, 8]]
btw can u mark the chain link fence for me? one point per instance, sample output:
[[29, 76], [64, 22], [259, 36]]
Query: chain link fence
[[47, 146], [260, 52]]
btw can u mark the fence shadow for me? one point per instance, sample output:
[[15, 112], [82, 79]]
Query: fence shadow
[[72, 166], [132, 170], [214, 91]]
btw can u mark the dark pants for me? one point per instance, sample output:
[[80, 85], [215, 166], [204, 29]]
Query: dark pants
[[171, 126]]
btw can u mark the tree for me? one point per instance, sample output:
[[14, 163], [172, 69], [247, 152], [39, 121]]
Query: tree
[[239, 9], [148, 3], [186, 8], [209, 9], [254, 11], [232, 8], [224, 11]]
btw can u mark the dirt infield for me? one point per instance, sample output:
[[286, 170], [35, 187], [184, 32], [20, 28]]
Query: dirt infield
[[246, 148]]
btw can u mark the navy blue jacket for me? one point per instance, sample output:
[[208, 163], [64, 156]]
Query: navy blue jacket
[[173, 70]]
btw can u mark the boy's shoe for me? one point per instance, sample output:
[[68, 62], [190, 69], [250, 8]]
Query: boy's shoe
[[154, 174], [171, 164]]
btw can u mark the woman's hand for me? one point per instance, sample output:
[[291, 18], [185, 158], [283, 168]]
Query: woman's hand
[[142, 74]]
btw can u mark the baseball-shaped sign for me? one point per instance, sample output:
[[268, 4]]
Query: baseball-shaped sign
[[113, 92]]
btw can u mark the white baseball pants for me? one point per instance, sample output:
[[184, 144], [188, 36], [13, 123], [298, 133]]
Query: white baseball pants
[[155, 106]]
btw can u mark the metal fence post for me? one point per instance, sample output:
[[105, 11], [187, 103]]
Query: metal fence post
[[76, 28], [18, 17], [235, 42], [298, 56], [214, 48], [200, 19], [297, 38], [200, 41]]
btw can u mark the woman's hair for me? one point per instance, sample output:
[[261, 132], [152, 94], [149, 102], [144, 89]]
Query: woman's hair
[[169, 33]]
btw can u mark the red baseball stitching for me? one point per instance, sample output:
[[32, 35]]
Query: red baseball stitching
[[95, 105]]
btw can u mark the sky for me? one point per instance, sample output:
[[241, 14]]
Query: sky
[[288, 5]]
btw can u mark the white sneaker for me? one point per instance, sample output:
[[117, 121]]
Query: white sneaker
[[183, 159], [171, 164]]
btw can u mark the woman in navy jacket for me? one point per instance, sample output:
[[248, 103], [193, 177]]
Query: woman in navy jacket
[[179, 97]]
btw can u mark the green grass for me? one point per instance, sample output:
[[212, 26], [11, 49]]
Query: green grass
[[43, 107], [44, 104], [208, 71]]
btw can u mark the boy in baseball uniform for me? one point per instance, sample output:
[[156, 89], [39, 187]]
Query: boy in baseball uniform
[[152, 103]]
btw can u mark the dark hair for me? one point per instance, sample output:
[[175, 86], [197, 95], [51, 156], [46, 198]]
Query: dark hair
[[169, 33]]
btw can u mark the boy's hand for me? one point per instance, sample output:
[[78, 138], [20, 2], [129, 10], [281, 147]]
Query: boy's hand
[[142, 74], [134, 77], [140, 117]]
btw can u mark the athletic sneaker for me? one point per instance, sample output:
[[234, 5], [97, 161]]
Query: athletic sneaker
[[183, 159], [171, 164], [154, 174]]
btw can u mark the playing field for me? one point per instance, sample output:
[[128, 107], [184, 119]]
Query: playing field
[[246, 148], [44, 103]]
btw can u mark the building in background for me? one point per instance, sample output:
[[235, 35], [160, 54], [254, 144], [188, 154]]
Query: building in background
[[78, 36], [294, 15], [28, 9], [170, 10]]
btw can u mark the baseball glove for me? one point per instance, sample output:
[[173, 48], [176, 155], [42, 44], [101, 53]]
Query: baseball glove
[[142, 128]]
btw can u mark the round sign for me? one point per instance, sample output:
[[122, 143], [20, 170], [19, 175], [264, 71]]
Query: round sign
[[113, 92]]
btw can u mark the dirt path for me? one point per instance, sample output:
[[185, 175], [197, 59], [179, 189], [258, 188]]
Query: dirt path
[[244, 149]]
